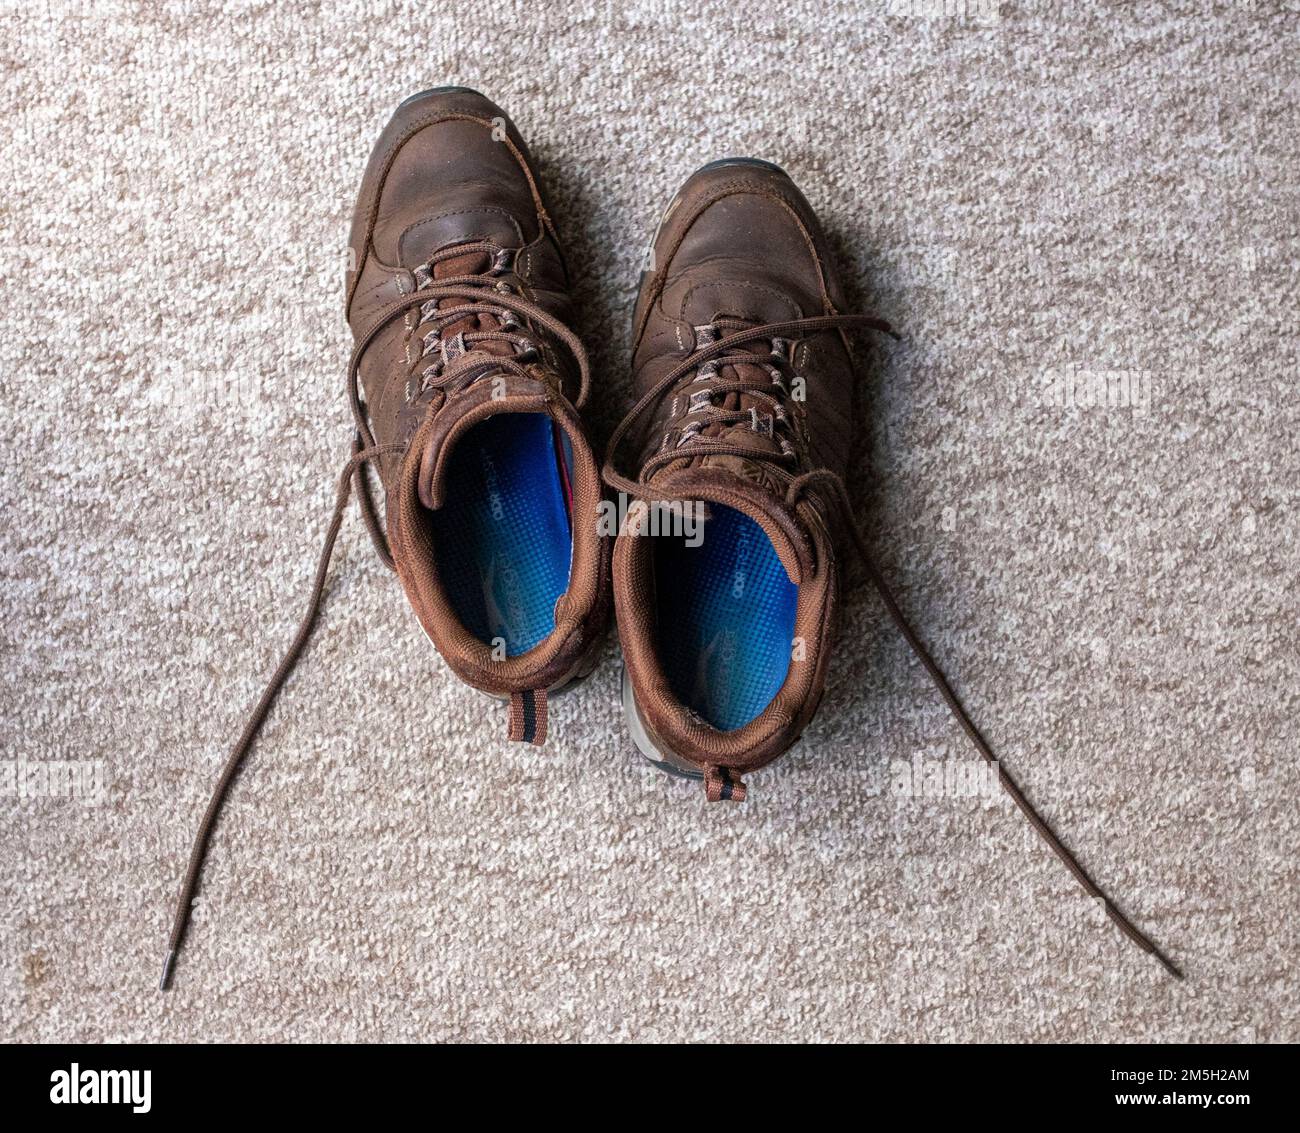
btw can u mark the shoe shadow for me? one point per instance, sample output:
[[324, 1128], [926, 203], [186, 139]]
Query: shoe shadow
[[868, 643], [599, 284]]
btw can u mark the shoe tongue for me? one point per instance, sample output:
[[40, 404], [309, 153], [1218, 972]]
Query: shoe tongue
[[469, 263], [758, 432], [724, 480], [757, 471], [501, 392], [513, 395]]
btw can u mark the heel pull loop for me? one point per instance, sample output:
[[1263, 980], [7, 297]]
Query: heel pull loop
[[722, 785], [528, 716]]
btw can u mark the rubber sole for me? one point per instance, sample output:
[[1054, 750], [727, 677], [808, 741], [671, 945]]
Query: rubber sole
[[664, 760], [753, 161], [437, 90]]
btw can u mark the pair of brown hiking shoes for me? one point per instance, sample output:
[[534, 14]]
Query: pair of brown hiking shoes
[[724, 570], [721, 495]]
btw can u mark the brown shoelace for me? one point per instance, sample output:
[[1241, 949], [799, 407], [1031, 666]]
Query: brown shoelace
[[258, 717], [728, 349], [476, 294]]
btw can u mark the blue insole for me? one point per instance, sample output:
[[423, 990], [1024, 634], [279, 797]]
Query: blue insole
[[726, 618], [502, 538]]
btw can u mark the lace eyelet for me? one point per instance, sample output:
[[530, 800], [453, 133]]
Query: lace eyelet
[[761, 424], [688, 434], [454, 348], [503, 260]]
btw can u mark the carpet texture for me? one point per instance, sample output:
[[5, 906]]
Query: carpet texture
[[1079, 468]]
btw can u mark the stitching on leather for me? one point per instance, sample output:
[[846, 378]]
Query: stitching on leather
[[462, 212], [736, 283], [390, 153], [722, 191]]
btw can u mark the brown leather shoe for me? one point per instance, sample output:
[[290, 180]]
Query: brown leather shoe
[[459, 305], [745, 407], [745, 386], [458, 299]]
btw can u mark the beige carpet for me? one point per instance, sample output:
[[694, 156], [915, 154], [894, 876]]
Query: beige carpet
[[1036, 193]]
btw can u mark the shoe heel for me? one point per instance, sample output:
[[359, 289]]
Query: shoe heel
[[664, 760]]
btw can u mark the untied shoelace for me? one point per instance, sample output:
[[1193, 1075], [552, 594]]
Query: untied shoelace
[[477, 293], [798, 487]]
